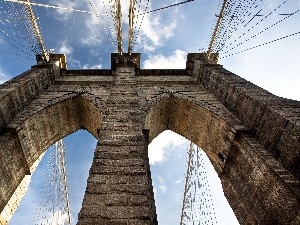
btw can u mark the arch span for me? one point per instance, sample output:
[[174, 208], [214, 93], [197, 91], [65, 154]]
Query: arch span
[[251, 177], [196, 123], [54, 122], [28, 137]]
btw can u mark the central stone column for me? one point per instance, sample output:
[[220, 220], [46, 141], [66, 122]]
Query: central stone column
[[119, 189]]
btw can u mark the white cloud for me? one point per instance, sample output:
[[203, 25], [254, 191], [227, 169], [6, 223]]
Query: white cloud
[[100, 26], [58, 217], [93, 36], [265, 64], [180, 180], [157, 147], [154, 33], [95, 66], [175, 61], [159, 186], [64, 48], [155, 29], [3, 77], [62, 14]]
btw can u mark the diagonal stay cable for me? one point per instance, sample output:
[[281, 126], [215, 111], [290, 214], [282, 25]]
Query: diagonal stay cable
[[52, 6], [12, 37], [19, 27], [13, 53], [169, 6], [140, 24], [260, 45], [162, 8], [265, 17], [108, 16], [34, 27], [274, 24], [246, 14], [16, 24], [95, 12], [244, 11]]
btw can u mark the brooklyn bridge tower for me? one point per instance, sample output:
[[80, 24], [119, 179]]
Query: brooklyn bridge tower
[[251, 136]]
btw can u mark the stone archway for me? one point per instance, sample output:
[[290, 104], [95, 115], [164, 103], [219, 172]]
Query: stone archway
[[196, 123], [248, 173], [257, 165], [28, 136]]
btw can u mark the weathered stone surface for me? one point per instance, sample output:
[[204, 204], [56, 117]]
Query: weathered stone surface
[[251, 136]]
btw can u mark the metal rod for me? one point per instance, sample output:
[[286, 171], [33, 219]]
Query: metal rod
[[166, 7], [50, 6], [130, 35], [213, 38], [119, 26]]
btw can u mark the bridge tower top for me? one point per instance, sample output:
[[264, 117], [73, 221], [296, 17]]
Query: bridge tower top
[[127, 59]]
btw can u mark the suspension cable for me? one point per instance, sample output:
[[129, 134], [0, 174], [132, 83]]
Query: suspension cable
[[262, 31], [140, 25], [95, 12], [260, 45], [61, 151], [243, 16], [186, 181], [35, 28], [169, 6], [130, 29], [256, 23], [108, 17], [12, 53], [118, 17], [51, 6], [225, 24], [213, 38], [20, 27]]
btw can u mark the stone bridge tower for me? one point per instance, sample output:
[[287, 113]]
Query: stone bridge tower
[[251, 136]]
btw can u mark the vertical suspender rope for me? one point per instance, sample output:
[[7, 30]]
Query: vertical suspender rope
[[186, 182], [64, 174]]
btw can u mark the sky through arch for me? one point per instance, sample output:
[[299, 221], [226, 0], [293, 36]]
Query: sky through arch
[[79, 148], [168, 154], [168, 158]]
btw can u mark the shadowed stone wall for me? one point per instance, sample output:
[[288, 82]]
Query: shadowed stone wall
[[250, 135]]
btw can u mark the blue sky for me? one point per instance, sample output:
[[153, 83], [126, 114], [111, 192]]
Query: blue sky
[[164, 39]]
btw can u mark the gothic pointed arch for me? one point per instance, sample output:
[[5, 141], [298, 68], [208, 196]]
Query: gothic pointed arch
[[53, 122], [195, 122], [242, 164], [47, 119]]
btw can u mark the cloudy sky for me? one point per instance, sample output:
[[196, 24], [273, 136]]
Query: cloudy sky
[[164, 39]]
